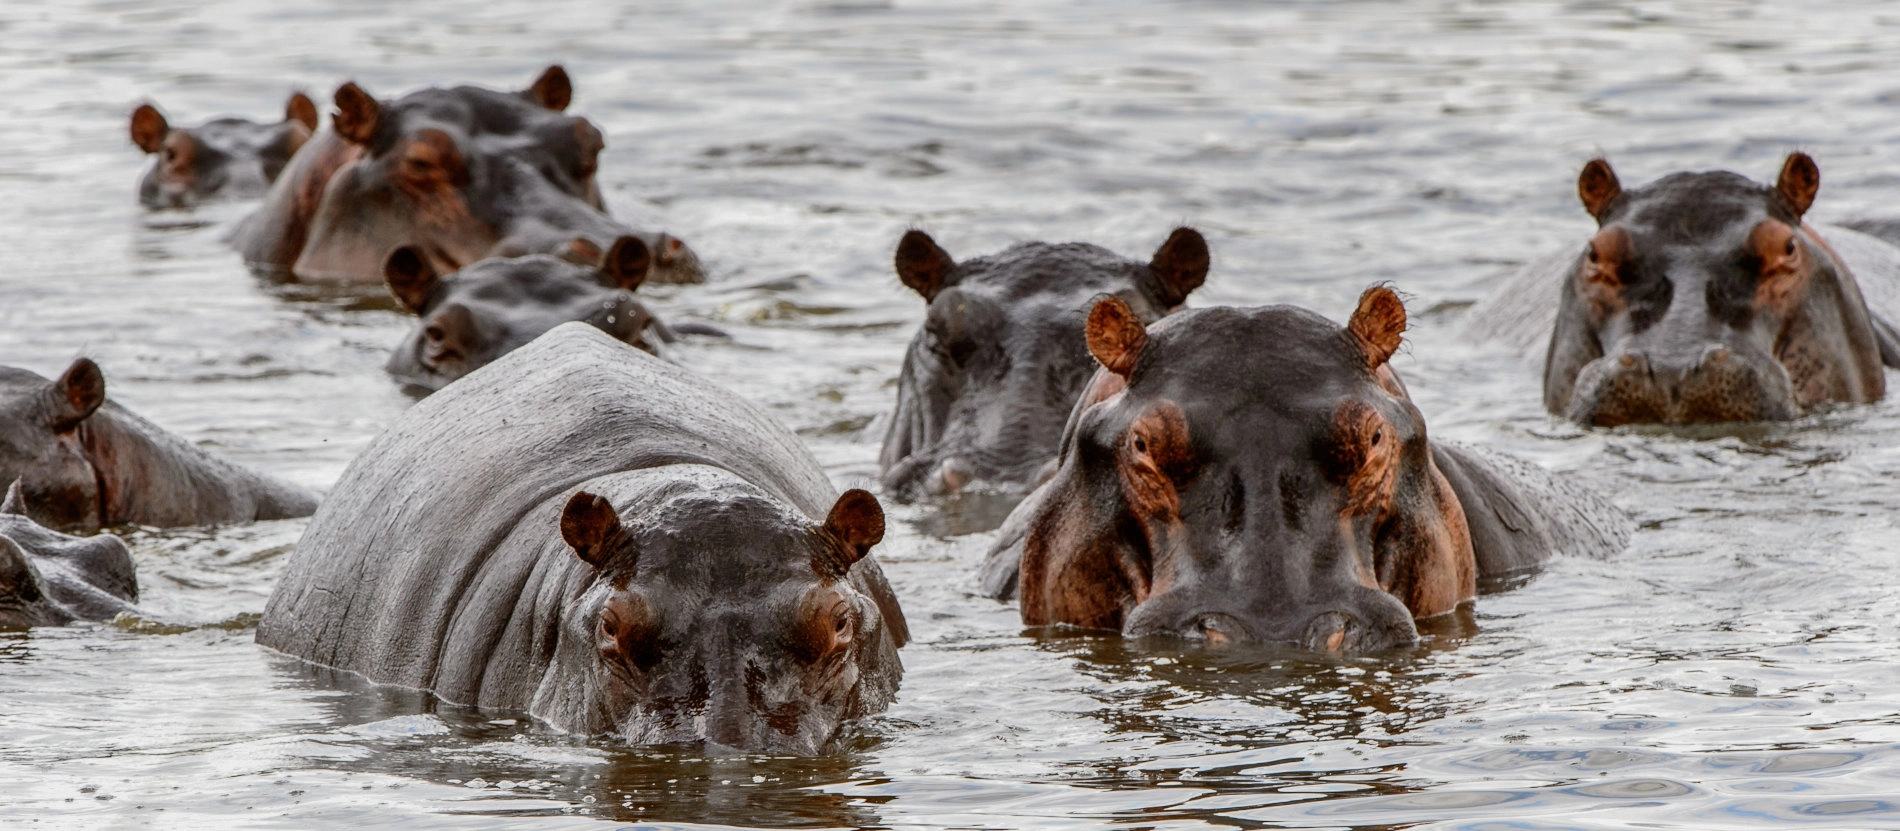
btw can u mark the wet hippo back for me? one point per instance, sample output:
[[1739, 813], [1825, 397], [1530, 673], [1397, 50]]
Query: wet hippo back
[[438, 563]]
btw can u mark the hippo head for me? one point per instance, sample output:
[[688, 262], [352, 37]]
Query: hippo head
[[84, 577], [227, 157], [1248, 475], [991, 376], [464, 174], [725, 617], [41, 444], [489, 309], [1703, 298]]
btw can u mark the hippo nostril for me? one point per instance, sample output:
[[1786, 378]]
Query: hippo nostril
[[1327, 633], [1628, 361], [1719, 356], [955, 474]]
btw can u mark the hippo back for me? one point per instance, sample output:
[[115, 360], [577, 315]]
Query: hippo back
[[398, 553]]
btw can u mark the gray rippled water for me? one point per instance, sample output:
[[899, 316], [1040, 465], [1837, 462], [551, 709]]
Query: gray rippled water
[[1737, 667]]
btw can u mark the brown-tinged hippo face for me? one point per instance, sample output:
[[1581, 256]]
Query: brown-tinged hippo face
[[41, 446], [48, 578], [991, 377], [470, 318], [1703, 298], [1248, 475], [463, 174], [726, 619], [227, 158]]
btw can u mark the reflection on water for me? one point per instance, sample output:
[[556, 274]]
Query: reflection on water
[[1735, 668]]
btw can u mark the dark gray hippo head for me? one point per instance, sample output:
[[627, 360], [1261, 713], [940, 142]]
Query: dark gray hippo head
[[723, 616], [459, 174], [1247, 475], [471, 317], [41, 445], [224, 158], [1704, 298], [993, 373], [50, 579]]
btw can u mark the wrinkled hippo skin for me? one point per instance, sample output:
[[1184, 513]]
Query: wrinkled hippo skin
[[470, 318], [460, 174], [1703, 297], [51, 579], [84, 462], [608, 543], [225, 158], [995, 369], [1261, 476]]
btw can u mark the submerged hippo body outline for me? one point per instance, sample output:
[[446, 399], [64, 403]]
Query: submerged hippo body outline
[[85, 462], [1703, 297], [1261, 475], [462, 173], [224, 158], [445, 559]]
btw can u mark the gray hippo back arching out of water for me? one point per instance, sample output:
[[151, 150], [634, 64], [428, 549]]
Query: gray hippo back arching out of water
[[1703, 297], [224, 158], [609, 543], [84, 462], [1260, 475], [996, 367], [49, 579]]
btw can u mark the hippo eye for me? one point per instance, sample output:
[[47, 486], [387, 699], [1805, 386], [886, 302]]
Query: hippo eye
[[1378, 436], [1789, 251], [1141, 444], [1593, 252], [434, 333]]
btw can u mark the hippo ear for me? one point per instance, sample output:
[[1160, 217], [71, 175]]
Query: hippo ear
[[1180, 264], [16, 574], [552, 90], [1116, 335], [301, 109], [77, 393], [14, 503], [357, 114], [1597, 187], [1378, 325], [921, 264], [1800, 179], [627, 262], [411, 277], [590, 525], [856, 522], [149, 128]]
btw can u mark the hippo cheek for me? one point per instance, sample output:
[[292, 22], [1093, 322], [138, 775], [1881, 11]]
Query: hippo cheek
[[61, 490]]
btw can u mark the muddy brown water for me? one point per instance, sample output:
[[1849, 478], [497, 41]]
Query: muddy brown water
[[1737, 667]]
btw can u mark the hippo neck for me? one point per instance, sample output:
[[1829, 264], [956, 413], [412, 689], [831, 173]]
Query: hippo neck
[[151, 477], [1865, 370]]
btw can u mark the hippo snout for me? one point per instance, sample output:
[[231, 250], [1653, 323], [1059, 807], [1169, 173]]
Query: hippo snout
[[1366, 621], [1710, 383]]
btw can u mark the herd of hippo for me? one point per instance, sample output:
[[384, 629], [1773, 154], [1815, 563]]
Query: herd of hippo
[[572, 527]]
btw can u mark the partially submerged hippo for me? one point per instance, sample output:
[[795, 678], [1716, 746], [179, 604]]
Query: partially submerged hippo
[[995, 369], [51, 579], [225, 158], [470, 318], [604, 541], [1703, 297], [1260, 475], [84, 462], [460, 174]]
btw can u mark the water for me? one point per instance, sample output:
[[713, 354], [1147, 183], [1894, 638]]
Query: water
[[1736, 668]]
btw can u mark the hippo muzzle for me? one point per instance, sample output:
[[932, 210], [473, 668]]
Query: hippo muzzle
[[1714, 383], [1357, 620]]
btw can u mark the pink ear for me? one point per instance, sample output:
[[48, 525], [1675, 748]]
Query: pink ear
[[1116, 336], [857, 521], [1597, 187], [1378, 325], [1800, 180]]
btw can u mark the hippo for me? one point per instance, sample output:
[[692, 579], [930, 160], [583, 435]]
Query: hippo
[[461, 174], [603, 541], [225, 158], [1260, 476], [471, 317], [1702, 298], [51, 579], [84, 462], [996, 367]]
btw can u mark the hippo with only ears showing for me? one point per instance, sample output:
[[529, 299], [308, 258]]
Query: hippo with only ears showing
[[1703, 297], [471, 317], [225, 158], [996, 367], [84, 462], [1261, 476], [50, 579], [461, 174], [590, 535]]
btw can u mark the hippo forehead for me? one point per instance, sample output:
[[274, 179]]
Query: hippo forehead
[[1270, 356], [498, 121], [1693, 208], [724, 544], [537, 277]]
